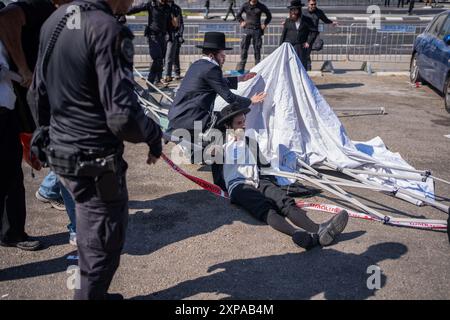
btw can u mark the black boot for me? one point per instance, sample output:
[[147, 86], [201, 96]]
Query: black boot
[[333, 227]]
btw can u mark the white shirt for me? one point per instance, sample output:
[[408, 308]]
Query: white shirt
[[297, 24], [210, 60], [240, 165], [7, 96]]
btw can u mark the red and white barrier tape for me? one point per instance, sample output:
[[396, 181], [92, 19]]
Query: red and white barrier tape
[[411, 223]]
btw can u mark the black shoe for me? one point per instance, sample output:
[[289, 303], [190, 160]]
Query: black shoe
[[114, 296], [333, 227], [305, 240], [27, 243]]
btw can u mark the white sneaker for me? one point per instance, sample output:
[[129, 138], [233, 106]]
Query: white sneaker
[[73, 239]]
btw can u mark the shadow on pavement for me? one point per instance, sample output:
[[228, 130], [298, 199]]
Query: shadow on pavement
[[327, 272], [177, 217], [338, 85], [36, 269]]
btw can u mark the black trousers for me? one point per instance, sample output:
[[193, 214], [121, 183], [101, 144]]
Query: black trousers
[[172, 56], [157, 46], [302, 53], [101, 229], [12, 191], [258, 201], [411, 6], [250, 36], [230, 11], [308, 59]]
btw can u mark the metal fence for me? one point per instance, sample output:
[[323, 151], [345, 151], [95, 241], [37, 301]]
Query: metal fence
[[391, 43], [214, 4]]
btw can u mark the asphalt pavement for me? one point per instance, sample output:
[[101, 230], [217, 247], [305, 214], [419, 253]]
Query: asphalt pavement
[[185, 243]]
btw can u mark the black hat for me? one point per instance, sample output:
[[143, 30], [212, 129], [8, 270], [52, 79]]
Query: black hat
[[232, 110], [295, 4], [214, 41]]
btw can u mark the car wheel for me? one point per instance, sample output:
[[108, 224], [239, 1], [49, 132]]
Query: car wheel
[[414, 75], [447, 95]]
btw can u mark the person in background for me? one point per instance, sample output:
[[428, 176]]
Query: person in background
[[206, 16], [411, 7], [299, 31], [231, 4], [159, 25], [253, 29], [316, 15], [174, 45]]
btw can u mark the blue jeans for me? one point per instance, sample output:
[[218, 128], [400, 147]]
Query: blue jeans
[[51, 188]]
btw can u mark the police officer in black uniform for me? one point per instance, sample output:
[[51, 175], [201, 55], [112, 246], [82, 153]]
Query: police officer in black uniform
[[83, 89], [253, 29], [159, 24]]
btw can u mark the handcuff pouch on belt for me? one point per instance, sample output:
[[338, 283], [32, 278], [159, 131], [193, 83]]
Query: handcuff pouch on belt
[[70, 161]]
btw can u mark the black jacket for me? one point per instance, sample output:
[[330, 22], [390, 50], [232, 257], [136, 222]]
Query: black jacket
[[159, 16], [316, 16], [198, 90], [305, 32], [253, 15], [87, 96]]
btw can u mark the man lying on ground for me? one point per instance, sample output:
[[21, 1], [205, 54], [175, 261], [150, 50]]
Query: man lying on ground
[[259, 194]]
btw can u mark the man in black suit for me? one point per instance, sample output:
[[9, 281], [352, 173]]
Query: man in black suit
[[299, 31], [202, 83]]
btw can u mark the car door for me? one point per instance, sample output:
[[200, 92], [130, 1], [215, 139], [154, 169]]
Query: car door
[[442, 56], [427, 53]]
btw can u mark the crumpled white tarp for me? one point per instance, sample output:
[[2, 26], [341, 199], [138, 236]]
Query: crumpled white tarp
[[295, 122]]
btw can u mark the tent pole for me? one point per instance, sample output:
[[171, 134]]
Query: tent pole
[[345, 197], [152, 85], [399, 192], [388, 175]]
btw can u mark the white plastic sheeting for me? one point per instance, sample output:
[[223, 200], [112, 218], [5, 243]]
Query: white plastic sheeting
[[295, 122]]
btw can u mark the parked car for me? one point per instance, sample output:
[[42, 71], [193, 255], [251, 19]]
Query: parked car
[[430, 60]]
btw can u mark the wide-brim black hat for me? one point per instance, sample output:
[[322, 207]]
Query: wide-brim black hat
[[214, 41], [231, 111], [295, 4]]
